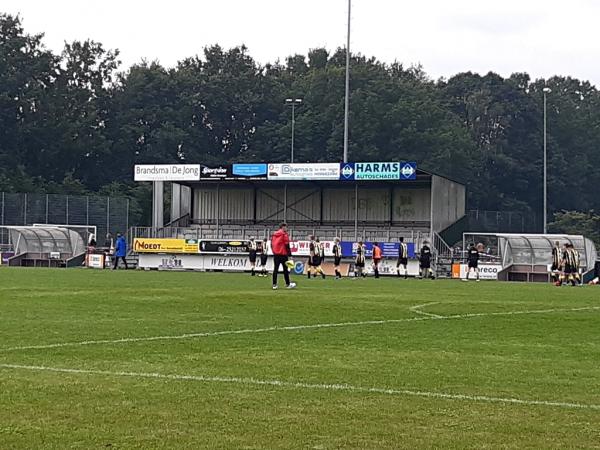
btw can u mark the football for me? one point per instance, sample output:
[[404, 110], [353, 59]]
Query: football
[[290, 264]]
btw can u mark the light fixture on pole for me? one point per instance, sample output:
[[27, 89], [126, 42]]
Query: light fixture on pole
[[347, 95], [293, 102], [546, 91]]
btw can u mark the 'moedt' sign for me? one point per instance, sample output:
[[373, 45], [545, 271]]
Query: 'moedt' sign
[[141, 245], [166, 172]]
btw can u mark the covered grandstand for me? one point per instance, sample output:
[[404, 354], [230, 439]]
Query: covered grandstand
[[245, 200]]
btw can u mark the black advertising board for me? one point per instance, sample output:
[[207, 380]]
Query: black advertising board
[[235, 172], [224, 246]]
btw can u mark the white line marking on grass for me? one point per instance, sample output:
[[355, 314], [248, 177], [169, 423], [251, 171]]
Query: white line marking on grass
[[312, 386], [290, 328], [417, 310]]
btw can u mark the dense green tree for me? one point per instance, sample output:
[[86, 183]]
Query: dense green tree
[[72, 123]]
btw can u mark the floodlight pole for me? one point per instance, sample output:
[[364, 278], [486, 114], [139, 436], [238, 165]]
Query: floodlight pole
[[546, 90], [293, 102], [347, 96]]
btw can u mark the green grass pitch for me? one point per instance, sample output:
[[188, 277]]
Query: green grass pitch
[[132, 360]]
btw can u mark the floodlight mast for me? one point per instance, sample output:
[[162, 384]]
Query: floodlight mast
[[546, 91], [293, 102], [347, 96]]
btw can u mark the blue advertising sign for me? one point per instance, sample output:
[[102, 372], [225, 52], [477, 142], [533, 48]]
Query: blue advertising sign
[[256, 171], [377, 171], [347, 171], [408, 171], [389, 249]]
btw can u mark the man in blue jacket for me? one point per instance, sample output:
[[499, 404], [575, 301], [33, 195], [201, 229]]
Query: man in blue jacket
[[120, 251]]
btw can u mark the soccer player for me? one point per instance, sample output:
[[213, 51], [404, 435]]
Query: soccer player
[[280, 245], [337, 257], [472, 261], [377, 256], [253, 250], [574, 262], [402, 258], [425, 261], [264, 257], [359, 262], [555, 268], [314, 260], [320, 252]]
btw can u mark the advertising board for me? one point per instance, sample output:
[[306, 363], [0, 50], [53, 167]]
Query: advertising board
[[226, 263], [317, 171], [302, 248], [166, 172], [378, 171], [486, 271], [249, 171], [389, 249], [142, 245], [95, 261], [224, 246]]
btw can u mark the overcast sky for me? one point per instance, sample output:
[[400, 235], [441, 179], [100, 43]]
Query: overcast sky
[[542, 38]]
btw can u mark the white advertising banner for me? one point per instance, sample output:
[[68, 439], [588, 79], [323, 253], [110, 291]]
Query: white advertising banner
[[317, 171], [227, 263], [486, 271], [95, 261], [167, 172], [302, 248]]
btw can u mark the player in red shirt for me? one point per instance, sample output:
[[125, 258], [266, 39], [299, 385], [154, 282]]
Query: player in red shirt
[[280, 245]]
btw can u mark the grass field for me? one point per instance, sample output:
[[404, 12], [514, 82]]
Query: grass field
[[127, 360]]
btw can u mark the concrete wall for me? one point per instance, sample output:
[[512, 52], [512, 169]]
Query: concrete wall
[[448, 202]]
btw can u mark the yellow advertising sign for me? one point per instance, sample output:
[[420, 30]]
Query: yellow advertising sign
[[141, 245]]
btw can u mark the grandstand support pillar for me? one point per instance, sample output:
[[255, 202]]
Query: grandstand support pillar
[[218, 209], [391, 209], [46, 209], [355, 212], [157, 204], [285, 202], [321, 205]]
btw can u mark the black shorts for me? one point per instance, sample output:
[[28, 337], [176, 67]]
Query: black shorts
[[376, 261], [570, 269], [473, 264], [316, 261], [337, 260], [426, 264], [252, 257], [554, 267], [263, 260], [359, 263], [402, 262]]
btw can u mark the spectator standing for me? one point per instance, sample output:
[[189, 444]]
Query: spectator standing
[[120, 251]]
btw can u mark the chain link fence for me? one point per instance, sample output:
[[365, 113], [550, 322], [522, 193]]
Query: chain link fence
[[503, 222], [108, 214]]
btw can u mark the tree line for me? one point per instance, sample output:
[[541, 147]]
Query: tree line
[[75, 122]]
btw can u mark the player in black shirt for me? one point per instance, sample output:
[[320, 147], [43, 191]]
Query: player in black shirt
[[337, 257], [253, 249], [264, 257], [425, 261], [402, 258], [472, 261], [555, 268], [359, 262]]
